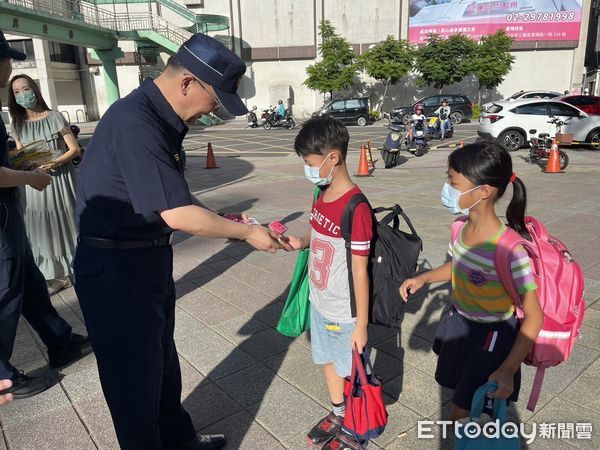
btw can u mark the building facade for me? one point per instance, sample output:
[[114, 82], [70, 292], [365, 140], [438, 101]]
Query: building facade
[[278, 39]]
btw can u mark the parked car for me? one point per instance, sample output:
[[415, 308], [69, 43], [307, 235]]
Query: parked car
[[587, 103], [351, 111], [525, 94], [460, 106], [510, 122]]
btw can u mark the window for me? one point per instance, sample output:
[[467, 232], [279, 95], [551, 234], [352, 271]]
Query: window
[[494, 109], [532, 109], [23, 46], [559, 109], [62, 53], [336, 106], [352, 104], [458, 99], [431, 101]]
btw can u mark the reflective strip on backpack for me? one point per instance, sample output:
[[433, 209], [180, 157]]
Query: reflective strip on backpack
[[555, 334]]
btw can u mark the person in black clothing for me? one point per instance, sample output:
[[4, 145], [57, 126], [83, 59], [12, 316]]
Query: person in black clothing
[[22, 286], [131, 196]]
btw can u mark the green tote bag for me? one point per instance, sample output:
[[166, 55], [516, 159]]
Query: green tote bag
[[295, 317]]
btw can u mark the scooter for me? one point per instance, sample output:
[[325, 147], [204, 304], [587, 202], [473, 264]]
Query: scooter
[[393, 144], [434, 129], [419, 145], [287, 121], [252, 119], [540, 146]]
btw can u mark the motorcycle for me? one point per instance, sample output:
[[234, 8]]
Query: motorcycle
[[540, 146], [252, 119], [271, 120], [393, 144], [434, 129], [419, 145]]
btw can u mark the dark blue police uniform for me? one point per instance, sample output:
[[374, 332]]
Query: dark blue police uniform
[[123, 266], [22, 286]]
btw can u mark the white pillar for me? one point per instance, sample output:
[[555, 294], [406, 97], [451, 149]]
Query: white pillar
[[43, 65]]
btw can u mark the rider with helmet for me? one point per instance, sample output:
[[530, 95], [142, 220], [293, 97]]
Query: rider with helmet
[[443, 113], [418, 115], [280, 110]]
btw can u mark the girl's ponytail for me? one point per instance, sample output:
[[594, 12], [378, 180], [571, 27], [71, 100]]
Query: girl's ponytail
[[515, 213]]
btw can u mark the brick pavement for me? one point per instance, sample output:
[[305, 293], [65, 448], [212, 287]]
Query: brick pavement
[[241, 377]]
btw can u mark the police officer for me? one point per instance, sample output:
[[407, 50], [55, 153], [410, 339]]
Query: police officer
[[22, 285], [131, 196]]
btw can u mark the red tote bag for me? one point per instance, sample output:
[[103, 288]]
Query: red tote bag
[[366, 416]]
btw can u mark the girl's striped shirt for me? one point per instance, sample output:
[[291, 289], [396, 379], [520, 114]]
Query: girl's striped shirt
[[478, 293]]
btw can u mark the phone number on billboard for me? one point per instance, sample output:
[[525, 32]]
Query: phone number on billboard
[[541, 17]]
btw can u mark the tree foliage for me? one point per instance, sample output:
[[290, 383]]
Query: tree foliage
[[337, 66], [492, 60], [388, 61], [442, 62]]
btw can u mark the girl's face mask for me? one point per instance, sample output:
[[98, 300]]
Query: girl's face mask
[[450, 197]]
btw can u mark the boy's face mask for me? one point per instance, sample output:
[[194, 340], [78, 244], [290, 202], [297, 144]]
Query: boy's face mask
[[26, 99], [313, 174]]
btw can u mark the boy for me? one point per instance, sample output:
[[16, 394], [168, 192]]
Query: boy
[[443, 112], [322, 143]]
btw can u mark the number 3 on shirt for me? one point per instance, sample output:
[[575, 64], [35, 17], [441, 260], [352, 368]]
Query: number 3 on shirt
[[321, 263]]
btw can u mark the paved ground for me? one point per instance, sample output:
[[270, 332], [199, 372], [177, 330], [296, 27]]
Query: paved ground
[[243, 378]]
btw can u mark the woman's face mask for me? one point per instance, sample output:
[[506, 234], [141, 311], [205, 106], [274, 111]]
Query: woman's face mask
[[26, 99], [450, 197], [313, 174]]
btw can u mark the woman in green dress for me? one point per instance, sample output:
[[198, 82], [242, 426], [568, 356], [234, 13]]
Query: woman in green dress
[[50, 214]]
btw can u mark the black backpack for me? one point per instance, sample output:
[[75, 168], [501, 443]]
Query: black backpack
[[393, 259]]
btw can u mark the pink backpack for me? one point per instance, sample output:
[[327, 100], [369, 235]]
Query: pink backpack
[[560, 291]]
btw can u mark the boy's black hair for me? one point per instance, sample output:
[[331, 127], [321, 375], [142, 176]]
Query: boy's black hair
[[321, 134], [487, 162]]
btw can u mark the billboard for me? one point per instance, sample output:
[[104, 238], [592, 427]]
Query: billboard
[[523, 20]]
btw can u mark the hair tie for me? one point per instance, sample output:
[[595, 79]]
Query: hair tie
[[513, 177]]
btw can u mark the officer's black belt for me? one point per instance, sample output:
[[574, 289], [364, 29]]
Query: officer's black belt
[[123, 244]]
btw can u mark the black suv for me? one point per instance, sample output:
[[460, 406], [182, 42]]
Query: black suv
[[460, 106], [351, 111]]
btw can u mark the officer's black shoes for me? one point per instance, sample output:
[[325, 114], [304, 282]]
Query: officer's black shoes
[[24, 386], [77, 349], [327, 427], [205, 442]]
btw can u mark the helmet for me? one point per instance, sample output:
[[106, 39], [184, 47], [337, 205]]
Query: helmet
[[254, 108], [419, 106], [280, 102], [445, 100]]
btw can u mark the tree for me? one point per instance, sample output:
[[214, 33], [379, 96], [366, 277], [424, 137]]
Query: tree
[[442, 62], [337, 66], [387, 62], [492, 60]]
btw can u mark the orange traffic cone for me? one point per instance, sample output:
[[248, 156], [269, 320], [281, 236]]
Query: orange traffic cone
[[553, 165], [211, 163], [363, 164]]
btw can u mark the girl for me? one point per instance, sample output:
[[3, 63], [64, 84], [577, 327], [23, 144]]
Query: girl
[[50, 214], [479, 338]]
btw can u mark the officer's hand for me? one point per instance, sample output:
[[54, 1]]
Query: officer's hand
[[262, 239], [38, 179], [5, 384]]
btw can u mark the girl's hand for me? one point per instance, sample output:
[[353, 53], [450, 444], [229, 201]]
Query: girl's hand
[[505, 380], [48, 167], [359, 338], [410, 286]]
